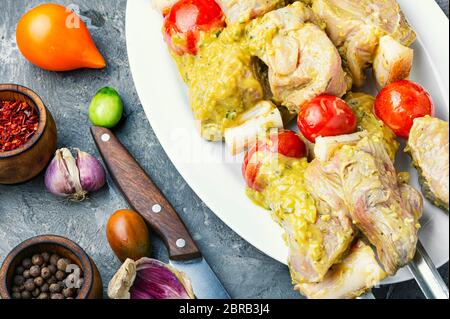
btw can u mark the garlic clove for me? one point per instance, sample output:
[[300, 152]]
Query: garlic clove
[[91, 173], [74, 175], [57, 177]]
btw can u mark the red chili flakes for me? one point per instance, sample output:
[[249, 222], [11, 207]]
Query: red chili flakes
[[18, 123]]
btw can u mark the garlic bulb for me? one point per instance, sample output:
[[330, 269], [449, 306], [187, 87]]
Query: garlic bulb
[[74, 178]]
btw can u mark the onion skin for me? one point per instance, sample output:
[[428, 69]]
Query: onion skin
[[128, 235], [149, 279], [156, 280], [92, 174]]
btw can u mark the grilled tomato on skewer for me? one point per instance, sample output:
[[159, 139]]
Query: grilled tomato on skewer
[[399, 103], [283, 142], [326, 115], [185, 20]]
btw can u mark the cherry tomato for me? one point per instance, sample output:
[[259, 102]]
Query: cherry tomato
[[284, 142], [326, 115], [251, 167], [185, 20], [399, 103], [287, 143], [128, 235], [54, 38]]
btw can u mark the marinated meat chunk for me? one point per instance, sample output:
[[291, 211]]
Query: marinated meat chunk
[[355, 275], [303, 62], [245, 10], [316, 237], [392, 62], [221, 80], [428, 146], [380, 207], [356, 27]]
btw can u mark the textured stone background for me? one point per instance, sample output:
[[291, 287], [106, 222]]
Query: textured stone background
[[28, 210]]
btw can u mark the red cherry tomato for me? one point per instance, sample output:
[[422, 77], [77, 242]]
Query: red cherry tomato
[[250, 167], [186, 19], [399, 103], [326, 115], [286, 143]]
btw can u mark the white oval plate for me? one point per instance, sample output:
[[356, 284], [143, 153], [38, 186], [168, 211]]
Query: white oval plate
[[215, 177]]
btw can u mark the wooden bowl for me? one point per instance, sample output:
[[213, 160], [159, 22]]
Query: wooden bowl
[[27, 161], [92, 287]]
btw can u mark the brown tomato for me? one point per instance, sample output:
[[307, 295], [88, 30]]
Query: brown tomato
[[128, 235]]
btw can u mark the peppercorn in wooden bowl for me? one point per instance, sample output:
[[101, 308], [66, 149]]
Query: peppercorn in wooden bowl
[[27, 134], [35, 254]]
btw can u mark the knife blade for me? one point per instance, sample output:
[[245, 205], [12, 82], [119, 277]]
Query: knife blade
[[145, 198], [205, 283]]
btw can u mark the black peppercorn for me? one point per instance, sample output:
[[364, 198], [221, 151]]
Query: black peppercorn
[[17, 295], [52, 269], [36, 292], [54, 259], [26, 274], [44, 276], [45, 287], [60, 275], [26, 263], [52, 280], [29, 285], [26, 295], [20, 270], [35, 271], [62, 264], [43, 295], [68, 292], [39, 281], [55, 288], [45, 273], [19, 280], [37, 260], [46, 257]]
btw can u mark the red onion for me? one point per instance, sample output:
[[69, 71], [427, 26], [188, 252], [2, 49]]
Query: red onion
[[149, 279], [74, 178]]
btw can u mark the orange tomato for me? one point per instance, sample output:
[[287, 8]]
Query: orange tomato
[[54, 38]]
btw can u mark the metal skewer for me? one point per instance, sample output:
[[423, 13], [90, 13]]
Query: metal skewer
[[367, 295], [427, 275]]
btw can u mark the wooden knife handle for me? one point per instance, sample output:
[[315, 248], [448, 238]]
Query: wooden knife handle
[[142, 194]]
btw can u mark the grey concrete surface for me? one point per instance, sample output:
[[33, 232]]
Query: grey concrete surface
[[28, 210]]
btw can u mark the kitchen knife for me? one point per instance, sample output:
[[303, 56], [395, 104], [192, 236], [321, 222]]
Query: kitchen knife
[[143, 195]]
